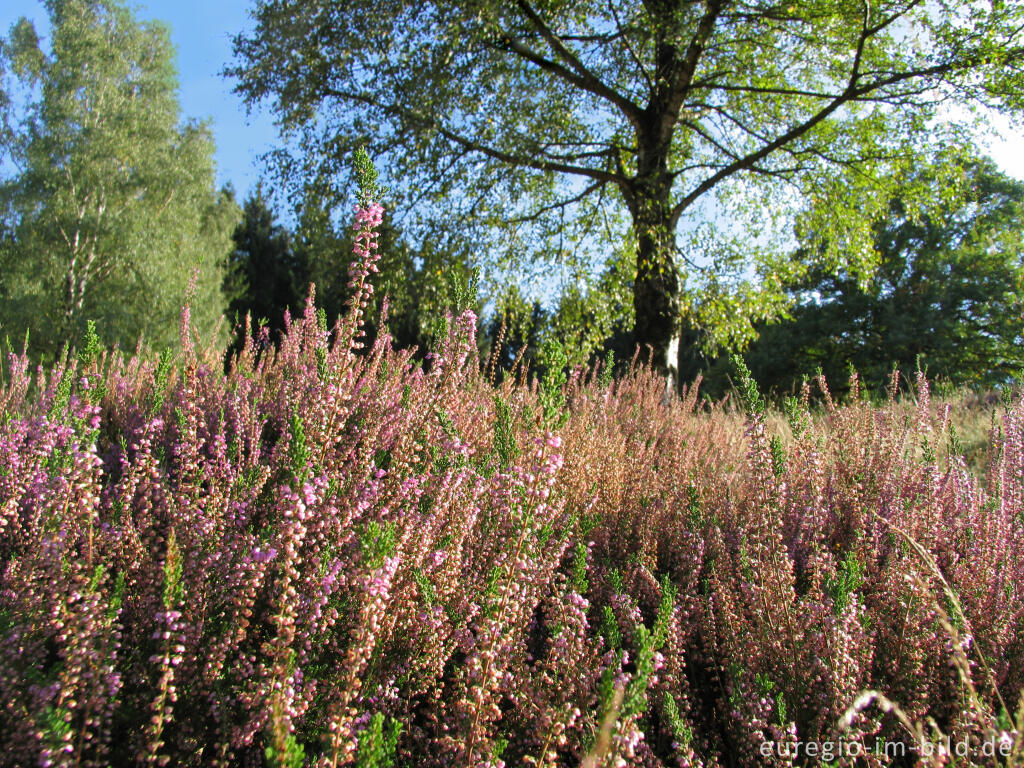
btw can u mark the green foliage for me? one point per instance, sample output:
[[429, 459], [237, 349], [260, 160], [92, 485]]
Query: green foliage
[[93, 348], [648, 642], [766, 687], [780, 709], [89, 357], [378, 742], [462, 290], [778, 456], [579, 582], [797, 416], [378, 543], [848, 579], [505, 446], [116, 597], [955, 445], [427, 591], [161, 377], [750, 396], [298, 450], [608, 369], [551, 394], [173, 586], [55, 728], [694, 513], [558, 137], [292, 756], [681, 730], [609, 628], [109, 207], [500, 745], [61, 395], [948, 292], [366, 179]]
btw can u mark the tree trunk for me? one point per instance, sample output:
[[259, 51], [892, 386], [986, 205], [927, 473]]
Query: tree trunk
[[656, 288]]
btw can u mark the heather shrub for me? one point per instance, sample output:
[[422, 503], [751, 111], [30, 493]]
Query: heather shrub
[[332, 555]]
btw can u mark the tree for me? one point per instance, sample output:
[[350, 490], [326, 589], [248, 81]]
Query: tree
[[265, 276], [553, 114], [948, 294], [111, 208]]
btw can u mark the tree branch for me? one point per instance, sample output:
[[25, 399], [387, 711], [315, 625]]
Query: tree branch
[[853, 92], [684, 77], [415, 116], [535, 215], [629, 48], [583, 77], [770, 91]]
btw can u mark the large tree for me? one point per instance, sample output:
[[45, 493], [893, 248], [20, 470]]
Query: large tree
[[550, 113], [108, 198]]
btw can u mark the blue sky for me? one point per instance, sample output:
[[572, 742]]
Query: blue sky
[[202, 32]]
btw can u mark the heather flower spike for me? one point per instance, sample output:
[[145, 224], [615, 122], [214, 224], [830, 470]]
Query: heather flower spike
[[369, 214]]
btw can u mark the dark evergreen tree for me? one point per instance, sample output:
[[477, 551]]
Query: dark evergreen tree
[[266, 277]]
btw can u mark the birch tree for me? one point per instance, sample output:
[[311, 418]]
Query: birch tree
[[540, 120], [109, 198]]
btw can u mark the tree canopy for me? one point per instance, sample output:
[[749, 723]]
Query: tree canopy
[[110, 208], [540, 124], [948, 295]]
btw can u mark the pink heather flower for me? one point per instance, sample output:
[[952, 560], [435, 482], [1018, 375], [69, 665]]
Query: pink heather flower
[[308, 494], [371, 217], [260, 555], [380, 583]]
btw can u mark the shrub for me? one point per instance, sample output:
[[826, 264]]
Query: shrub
[[328, 556]]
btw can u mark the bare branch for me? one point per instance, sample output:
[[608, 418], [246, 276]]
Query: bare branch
[[415, 116], [584, 77], [560, 204]]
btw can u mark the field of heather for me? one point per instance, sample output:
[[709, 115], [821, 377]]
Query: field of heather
[[333, 555]]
